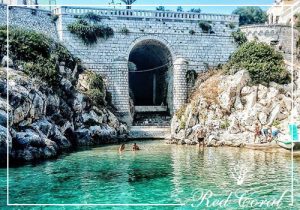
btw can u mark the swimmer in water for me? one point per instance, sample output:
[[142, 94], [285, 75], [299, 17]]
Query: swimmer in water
[[122, 148], [135, 147]]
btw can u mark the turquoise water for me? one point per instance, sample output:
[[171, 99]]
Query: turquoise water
[[158, 174]]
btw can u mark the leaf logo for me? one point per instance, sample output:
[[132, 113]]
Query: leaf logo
[[239, 172]]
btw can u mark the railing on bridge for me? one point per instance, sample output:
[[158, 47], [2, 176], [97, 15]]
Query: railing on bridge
[[146, 14]]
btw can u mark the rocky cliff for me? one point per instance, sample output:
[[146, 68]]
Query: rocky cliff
[[226, 108], [45, 120]]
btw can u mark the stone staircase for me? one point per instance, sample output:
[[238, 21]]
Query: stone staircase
[[151, 123]]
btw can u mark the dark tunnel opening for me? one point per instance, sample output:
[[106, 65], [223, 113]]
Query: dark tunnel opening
[[149, 62]]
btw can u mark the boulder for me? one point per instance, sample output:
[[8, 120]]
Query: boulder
[[7, 61], [91, 118], [79, 103], [262, 92]]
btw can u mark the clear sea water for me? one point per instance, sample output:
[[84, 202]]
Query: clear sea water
[[157, 174]]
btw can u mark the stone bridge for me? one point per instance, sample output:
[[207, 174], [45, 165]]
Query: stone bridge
[[166, 44], [157, 40]]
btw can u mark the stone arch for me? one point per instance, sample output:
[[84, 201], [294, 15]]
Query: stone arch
[[151, 37], [156, 87]]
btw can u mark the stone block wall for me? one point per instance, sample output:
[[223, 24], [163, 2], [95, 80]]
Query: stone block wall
[[199, 50], [109, 57], [280, 36], [34, 19]]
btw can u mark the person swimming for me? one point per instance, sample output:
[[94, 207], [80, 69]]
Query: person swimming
[[122, 148], [135, 147]]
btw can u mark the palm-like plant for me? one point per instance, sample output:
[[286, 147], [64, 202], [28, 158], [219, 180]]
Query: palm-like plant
[[128, 3]]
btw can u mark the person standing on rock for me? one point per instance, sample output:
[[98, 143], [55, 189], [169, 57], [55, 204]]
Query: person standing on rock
[[257, 132], [200, 134]]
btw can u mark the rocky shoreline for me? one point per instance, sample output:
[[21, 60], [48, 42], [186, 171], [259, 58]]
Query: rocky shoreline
[[225, 109], [45, 121]]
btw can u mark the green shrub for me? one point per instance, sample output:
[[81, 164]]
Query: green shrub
[[96, 96], [96, 91], [262, 61], [91, 16], [180, 112], [43, 68], [191, 76], [225, 124], [250, 15], [108, 98], [239, 37], [3, 42], [205, 26], [26, 45], [192, 32], [276, 123], [231, 25], [89, 33], [182, 124], [54, 18], [37, 53], [124, 30]]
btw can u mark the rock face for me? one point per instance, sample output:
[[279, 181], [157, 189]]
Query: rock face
[[44, 121], [226, 107]]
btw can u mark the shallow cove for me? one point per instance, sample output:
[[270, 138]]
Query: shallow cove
[[159, 173]]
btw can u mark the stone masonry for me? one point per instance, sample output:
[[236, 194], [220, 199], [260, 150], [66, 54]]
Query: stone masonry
[[109, 57]]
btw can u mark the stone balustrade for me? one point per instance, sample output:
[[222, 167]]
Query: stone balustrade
[[175, 16]]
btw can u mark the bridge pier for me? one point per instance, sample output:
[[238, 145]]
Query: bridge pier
[[180, 84], [120, 97]]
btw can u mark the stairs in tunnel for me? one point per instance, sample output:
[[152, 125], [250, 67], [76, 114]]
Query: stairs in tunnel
[[155, 116], [150, 122]]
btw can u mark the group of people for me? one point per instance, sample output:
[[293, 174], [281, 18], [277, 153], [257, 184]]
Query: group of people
[[135, 147], [269, 133]]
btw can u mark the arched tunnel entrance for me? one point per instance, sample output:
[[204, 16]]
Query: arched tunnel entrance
[[149, 62], [150, 76]]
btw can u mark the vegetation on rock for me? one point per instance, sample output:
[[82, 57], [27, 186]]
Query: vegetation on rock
[[160, 8], [91, 17], [205, 26], [38, 54], [195, 10], [239, 37], [89, 32], [192, 32], [262, 61], [124, 30], [250, 15], [96, 90]]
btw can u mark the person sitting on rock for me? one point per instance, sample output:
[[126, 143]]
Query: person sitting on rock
[[257, 132], [122, 148], [135, 147], [265, 131], [275, 131]]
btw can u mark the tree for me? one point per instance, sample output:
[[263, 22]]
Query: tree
[[196, 10], [160, 8], [179, 9], [250, 15], [128, 3], [263, 63]]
